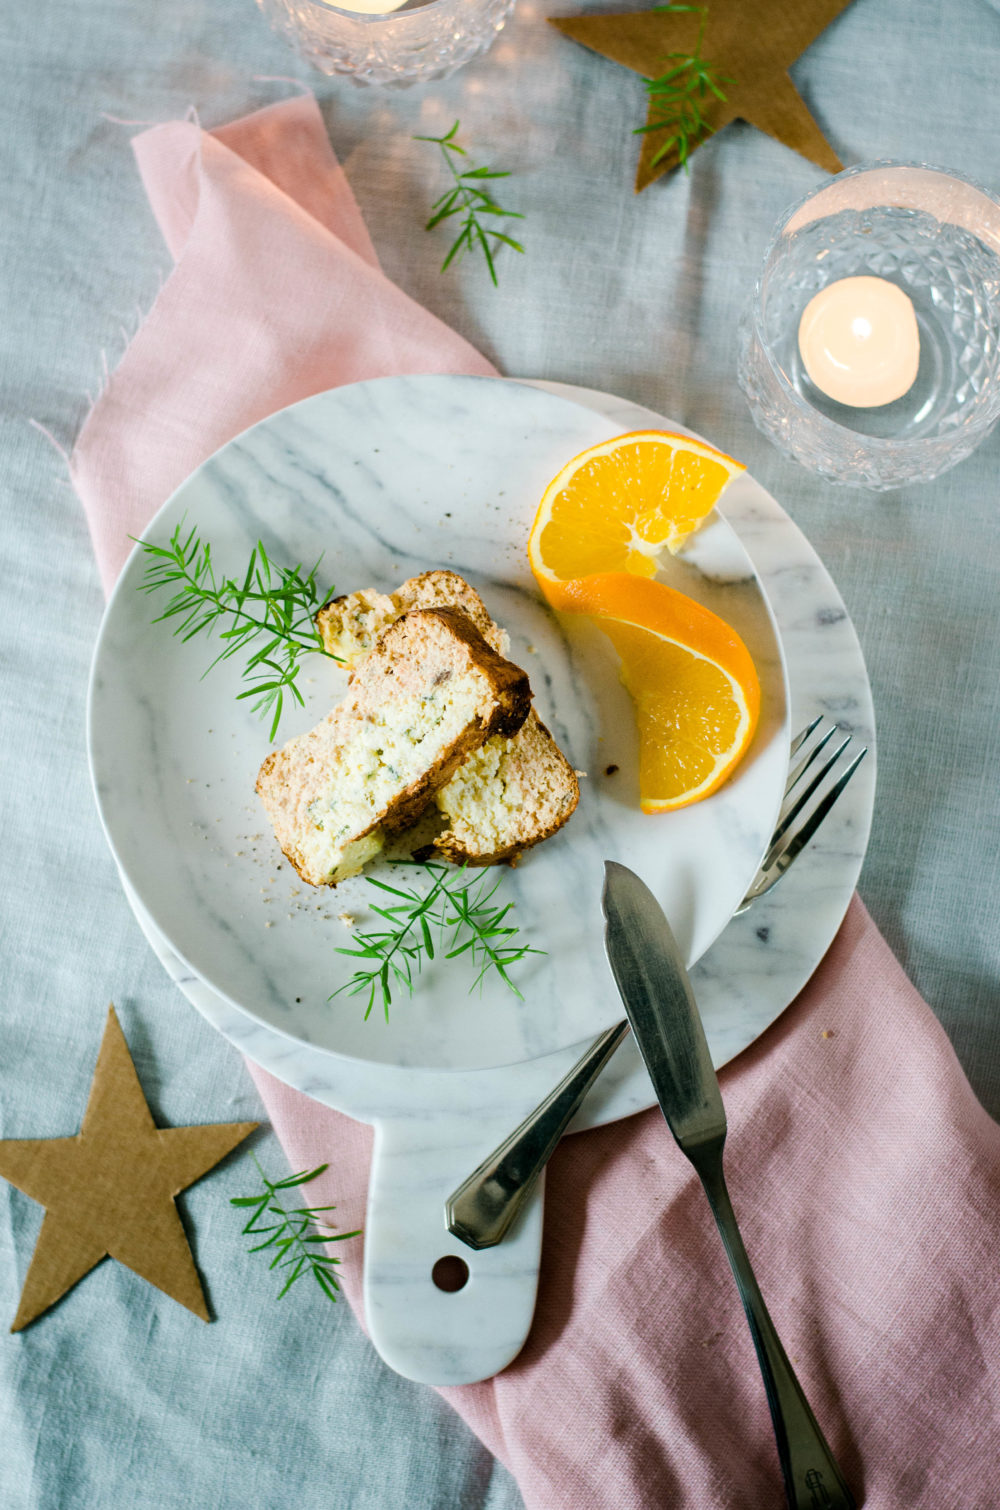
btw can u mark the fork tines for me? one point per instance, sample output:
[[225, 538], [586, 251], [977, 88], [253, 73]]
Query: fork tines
[[817, 778]]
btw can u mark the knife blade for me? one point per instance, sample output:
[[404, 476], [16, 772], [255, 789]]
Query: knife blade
[[651, 977]]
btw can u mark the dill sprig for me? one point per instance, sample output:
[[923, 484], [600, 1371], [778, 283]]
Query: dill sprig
[[295, 1246], [468, 197], [272, 603], [679, 94], [465, 910]]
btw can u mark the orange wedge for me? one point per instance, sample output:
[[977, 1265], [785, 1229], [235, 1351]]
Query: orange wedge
[[617, 506], [695, 688]]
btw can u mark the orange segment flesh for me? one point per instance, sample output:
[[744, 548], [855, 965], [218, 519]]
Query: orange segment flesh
[[694, 685], [617, 506]]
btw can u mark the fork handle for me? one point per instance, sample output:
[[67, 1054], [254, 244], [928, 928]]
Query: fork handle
[[812, 1479], [481, 1210]]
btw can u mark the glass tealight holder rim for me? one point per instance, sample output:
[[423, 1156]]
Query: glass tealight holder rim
[[369, 18], [874, 445]]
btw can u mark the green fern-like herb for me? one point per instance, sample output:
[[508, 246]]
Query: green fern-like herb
[[463, 917], [295, 1236], [679, 94], [269, 612], [470, 198]]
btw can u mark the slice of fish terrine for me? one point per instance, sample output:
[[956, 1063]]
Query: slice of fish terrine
[[430, 693], [511, 793]]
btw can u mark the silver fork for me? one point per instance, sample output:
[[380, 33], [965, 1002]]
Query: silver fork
[[481, 1210]]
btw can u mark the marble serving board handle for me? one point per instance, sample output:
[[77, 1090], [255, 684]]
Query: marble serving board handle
[[431, 1130], [431, 1334]]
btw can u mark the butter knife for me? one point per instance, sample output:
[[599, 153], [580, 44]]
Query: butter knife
[[655, 989]]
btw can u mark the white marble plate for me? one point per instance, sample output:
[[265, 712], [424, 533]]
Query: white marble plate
[[388, 478], [433, 1127]]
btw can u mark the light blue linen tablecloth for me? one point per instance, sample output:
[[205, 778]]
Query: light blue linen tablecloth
[[119, 1399]]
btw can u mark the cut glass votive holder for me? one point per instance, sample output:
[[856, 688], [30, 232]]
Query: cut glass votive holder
[[937, 236], [424, 39]]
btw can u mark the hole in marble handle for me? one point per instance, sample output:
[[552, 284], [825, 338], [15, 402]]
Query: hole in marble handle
[[450, 1273]]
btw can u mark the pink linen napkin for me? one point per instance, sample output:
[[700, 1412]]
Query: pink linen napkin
[[865, 1174]]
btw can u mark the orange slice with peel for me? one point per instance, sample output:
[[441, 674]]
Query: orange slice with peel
[[694, 685], [618, 505]]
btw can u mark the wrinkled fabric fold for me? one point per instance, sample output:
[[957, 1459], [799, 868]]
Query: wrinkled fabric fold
[[864, 1172]]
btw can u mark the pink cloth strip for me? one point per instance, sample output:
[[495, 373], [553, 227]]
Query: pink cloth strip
[[865, 1174], [267, 304]]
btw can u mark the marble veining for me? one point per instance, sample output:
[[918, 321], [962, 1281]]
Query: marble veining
[[434, 1126]]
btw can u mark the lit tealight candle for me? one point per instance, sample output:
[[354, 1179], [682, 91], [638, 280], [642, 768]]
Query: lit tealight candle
[[367, 7], [859, 342]]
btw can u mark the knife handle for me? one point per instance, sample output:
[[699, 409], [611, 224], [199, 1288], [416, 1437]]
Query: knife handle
[[812, 1479]]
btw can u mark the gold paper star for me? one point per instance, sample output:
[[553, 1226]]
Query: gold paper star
[[754, 46], [110, 1190]]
